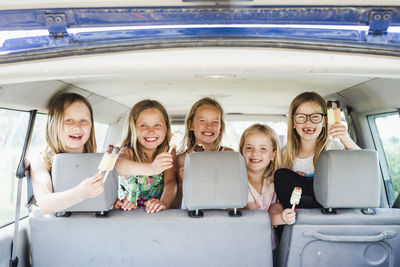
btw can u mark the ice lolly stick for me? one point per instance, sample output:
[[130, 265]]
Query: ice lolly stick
[[295, 197], [175, 139]]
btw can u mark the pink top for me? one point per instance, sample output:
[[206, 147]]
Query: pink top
[[266, 199]]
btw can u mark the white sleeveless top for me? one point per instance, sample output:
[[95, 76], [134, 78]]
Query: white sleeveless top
[[306, 165]]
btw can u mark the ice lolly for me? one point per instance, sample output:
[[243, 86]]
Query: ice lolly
[[175, 139], [108, 161], [199, 148], [296, 196], [333, 112]]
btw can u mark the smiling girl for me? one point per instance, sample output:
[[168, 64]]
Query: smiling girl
[[147, 178], [69, 130], [204, 125], [307, 139], [259, 146]]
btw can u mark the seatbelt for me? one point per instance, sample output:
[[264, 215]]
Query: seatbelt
[[23, 168]]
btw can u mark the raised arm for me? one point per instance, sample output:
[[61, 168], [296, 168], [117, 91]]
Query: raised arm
[[127, 167], [50, 202], [339, 131]]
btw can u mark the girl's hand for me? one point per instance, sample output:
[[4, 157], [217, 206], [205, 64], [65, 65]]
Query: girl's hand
[[162, 162], [288, 216], [154, 205], [301, 173], [339, 131], [91, 187]]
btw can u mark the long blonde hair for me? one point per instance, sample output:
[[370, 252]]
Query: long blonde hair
[[130, 139], [189, 140], [57, 105], [270, 133], [293, 138]]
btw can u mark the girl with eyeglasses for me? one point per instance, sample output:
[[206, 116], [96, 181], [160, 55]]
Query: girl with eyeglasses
[[307, 138]]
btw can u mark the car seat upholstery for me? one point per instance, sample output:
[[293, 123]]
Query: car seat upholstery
[[349, 232], [68, 170], [167, 238]]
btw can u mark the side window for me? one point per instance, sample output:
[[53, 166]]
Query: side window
[[387, 142], [13, 126]]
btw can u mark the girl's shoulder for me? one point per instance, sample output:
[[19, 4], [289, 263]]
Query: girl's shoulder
[[224, 148]]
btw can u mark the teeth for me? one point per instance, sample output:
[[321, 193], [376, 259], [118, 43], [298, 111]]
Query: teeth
[[151, 139], [308, 130], [255, 160], [208, 134], [76, 135]]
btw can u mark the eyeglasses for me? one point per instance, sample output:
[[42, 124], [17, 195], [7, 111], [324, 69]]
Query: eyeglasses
[[315, 118]]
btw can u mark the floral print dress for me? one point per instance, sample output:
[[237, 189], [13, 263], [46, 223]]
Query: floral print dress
[[138, 189]]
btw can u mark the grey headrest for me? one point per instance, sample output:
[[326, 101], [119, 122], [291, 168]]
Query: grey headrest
[[347, 179], [214, 180], [68, 170]]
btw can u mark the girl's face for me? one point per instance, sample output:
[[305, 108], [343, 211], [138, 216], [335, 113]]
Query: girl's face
[[76, 127], [309, 131], [258, 152], [151, 129], [206, 124]]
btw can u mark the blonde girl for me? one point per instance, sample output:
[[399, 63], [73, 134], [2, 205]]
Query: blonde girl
[[204, 125], [307, 138], [147, 177], [69, 130], [259, 146]]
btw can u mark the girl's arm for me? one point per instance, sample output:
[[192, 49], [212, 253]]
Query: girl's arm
[[251, 206], [127, 167], [280, 216], [339, 131], [50, 202]]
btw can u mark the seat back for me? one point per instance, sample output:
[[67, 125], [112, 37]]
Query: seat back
[[347, 181], [214, 180], [68, 170], [166, 238]]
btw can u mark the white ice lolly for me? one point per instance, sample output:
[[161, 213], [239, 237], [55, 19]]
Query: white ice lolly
[[175, 139], [296, 196], [333, 112], [108, 161]]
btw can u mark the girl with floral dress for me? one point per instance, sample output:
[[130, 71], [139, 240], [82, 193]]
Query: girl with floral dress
[[145, 168]]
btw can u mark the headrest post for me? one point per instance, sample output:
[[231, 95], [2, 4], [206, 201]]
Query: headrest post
[[235, 213], [195, 213]]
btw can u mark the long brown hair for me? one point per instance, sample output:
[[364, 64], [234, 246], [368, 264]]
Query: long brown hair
[[130, 139], [189, 140], [293, 138], [270, 133], [57, 105]]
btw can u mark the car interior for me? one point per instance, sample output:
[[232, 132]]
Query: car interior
[[360, 222]]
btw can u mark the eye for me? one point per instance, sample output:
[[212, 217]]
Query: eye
[[215, 122], [157, 125], [143, 125], [248, 147], [68, 120]]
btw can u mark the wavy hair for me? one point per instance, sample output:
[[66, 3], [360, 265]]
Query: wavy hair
[[189, 140], [270, 133], [130, 139], [293, 138], [57, 105]]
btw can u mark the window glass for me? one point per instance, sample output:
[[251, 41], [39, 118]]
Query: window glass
[[389, 133], [13, 126]]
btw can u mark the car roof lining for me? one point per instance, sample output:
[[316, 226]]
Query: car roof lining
[[245, 80]]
